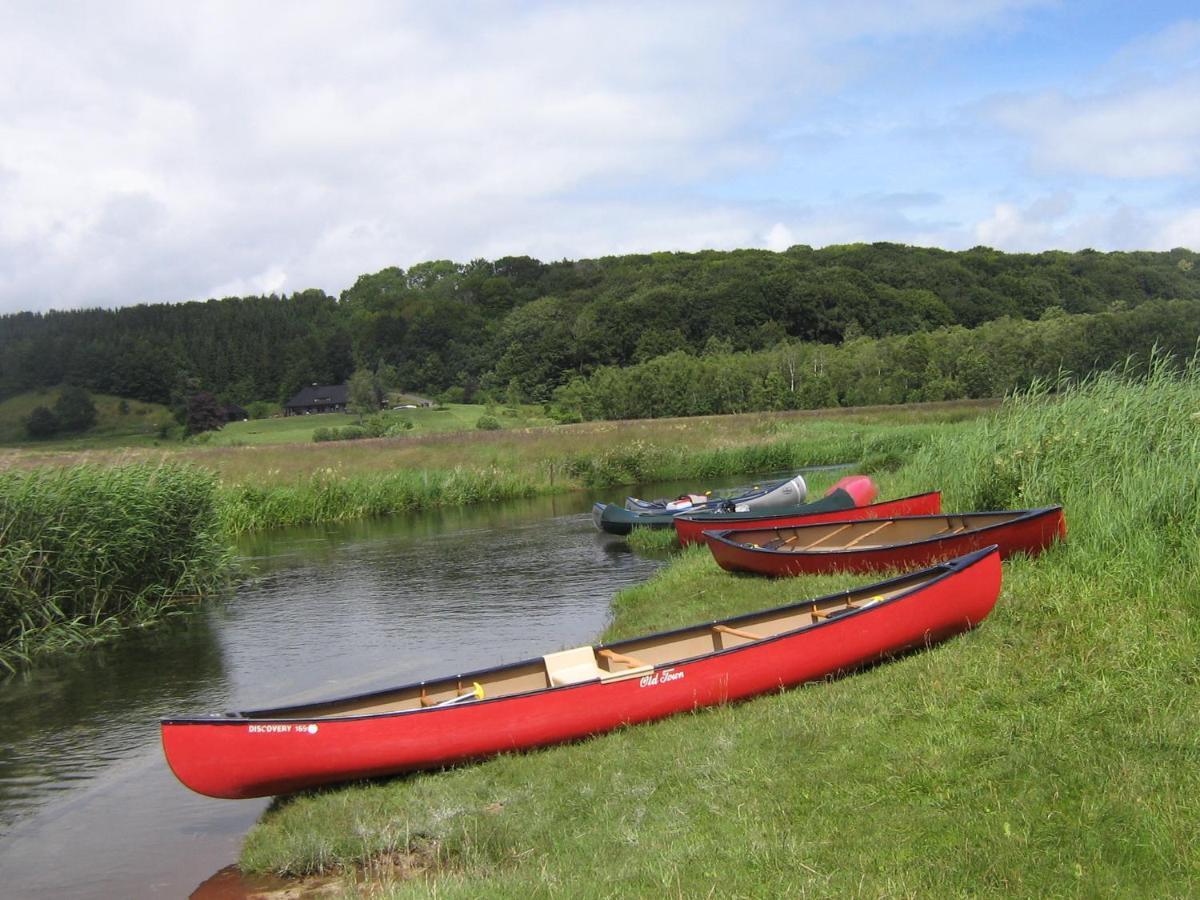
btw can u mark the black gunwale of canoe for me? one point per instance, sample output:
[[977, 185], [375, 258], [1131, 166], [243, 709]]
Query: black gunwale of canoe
[[283, 714], [1024, 515], [704, 516]]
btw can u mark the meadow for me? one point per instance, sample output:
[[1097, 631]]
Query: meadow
[[136, 425], [1052, 752], [119, 423]]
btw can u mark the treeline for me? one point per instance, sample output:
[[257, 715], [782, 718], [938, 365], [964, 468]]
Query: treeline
[[519, 329], [947, 364]]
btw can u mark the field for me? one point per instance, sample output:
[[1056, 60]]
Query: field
[[138, 426], [141, 425], [289, 456], [1051, 752], [452, 417]]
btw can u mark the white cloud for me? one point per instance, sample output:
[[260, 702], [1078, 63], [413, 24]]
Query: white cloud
[[780, 237], [1036, 227], [151, 152], [1180, 230], [1136, 116], [1138, 132]]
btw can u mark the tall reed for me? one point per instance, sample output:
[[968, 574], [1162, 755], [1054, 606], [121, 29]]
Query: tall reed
[[1120, 452], [86, 551], [330, 496]]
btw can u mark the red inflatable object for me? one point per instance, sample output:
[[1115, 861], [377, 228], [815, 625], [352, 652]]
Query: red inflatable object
[[860, 487]]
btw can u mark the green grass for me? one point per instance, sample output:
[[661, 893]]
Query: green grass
[[87, 552], [1052, 752], [138, 427], [299, 429]]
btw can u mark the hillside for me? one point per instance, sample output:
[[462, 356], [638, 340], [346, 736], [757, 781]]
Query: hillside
[[518, 329], [135, 423]]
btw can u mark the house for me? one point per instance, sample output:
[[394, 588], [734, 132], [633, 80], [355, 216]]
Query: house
[[318, 398]]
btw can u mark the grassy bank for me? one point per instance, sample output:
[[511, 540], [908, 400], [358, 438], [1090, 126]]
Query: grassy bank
[[1053, 751], [86, 552]]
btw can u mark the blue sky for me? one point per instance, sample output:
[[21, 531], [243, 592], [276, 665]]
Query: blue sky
[[160, 153]]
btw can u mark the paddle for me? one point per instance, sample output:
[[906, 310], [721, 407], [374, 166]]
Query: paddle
[[476, 693]]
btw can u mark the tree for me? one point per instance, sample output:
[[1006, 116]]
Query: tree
[[42, 423], [204, 413], [362, 393], [75, 409]]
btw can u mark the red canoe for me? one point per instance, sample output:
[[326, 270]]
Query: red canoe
[[575, 693], [691, 528], [902, 542]]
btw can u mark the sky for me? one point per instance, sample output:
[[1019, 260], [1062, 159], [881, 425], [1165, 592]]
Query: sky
[[156, 152]]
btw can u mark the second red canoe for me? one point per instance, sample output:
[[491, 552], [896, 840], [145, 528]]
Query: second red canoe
[[691, 527], [884, 543]]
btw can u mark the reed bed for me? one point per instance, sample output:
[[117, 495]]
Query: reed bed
[[86, 552], [330, 496], [1051, 752], [334, 494]]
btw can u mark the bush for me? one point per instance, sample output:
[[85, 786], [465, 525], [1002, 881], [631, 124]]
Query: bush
[[42, 423], [262, 409], [204, 413], [488, 423], [75, 409]]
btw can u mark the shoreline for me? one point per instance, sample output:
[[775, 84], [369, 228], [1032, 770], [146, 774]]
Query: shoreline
[[1015, 736]]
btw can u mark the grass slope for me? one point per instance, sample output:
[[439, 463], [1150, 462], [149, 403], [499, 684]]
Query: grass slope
[[299, 429], [138, 427], [1053, 751]]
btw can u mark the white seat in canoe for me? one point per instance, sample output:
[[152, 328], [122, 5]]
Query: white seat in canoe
[[572, 666], [579, 664]]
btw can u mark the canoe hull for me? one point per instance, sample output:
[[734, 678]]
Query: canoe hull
[[691, 528], [237, 757], [1030, 535], [613, 519]]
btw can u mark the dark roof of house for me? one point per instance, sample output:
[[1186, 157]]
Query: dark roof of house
[[318, 394]]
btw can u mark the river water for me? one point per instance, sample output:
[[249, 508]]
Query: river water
[[88, 807]]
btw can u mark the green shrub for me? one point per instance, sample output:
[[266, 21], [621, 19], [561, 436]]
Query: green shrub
[[488, 423], [262, 409]]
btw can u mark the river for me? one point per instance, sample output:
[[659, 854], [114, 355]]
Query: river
[[88, 807]]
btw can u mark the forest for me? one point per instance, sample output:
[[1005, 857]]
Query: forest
[[730, 330]]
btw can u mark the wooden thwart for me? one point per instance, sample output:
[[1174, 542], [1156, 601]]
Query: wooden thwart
[[631, 661], [739, 632], [867, 534], [826, 537]]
